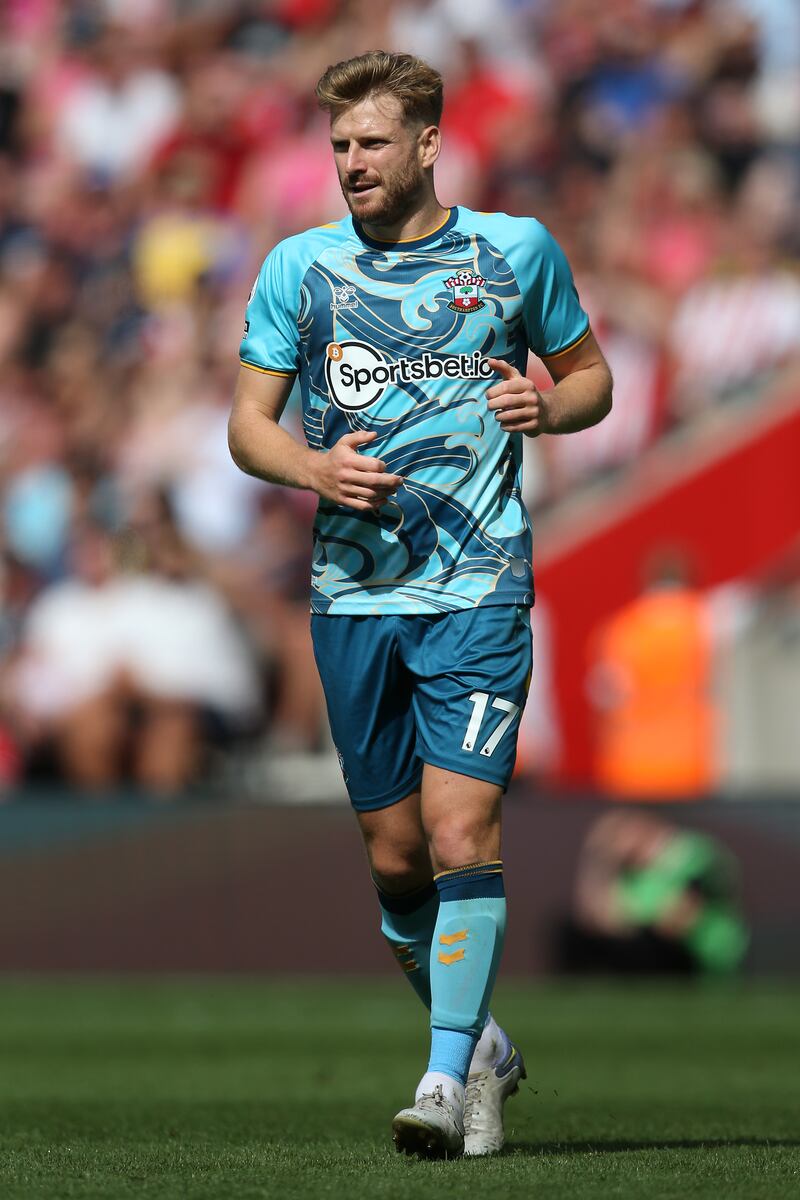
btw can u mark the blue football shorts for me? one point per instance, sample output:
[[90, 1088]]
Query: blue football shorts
[[402, 691]]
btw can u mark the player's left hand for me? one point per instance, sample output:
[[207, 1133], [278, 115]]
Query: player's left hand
[[517, 403]]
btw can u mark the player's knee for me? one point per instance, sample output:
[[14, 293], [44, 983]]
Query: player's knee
[[398, 869], [455, 842]]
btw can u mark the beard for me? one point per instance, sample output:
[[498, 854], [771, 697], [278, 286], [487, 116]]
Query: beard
[[395, 197]]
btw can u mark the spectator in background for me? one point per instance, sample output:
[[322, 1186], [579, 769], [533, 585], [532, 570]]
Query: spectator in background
[[212, 141], [736, 326], [121, 107], [650, 683], [65, 691], [119, 672], [651, 680], [267, 588], [38, 489], [652, 899], [17, 590]]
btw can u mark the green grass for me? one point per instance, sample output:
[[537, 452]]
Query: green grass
[[233, 1090]]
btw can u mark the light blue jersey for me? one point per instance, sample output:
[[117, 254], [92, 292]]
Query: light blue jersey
[[394, 337]]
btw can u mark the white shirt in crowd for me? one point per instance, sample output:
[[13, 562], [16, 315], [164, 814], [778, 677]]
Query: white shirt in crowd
[[114, 129], [173, 640]]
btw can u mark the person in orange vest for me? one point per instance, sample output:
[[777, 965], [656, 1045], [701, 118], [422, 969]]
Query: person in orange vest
[[650, 685]]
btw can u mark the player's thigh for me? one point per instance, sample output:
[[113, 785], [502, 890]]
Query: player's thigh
[[472, 672], [461, 817], [368, 692]]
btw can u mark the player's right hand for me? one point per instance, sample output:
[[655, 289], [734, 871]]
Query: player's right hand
[[347, 477]]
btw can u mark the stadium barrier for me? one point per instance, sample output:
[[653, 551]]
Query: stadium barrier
[[131, 886]]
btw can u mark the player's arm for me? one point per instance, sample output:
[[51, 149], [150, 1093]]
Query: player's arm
[[260, 447], [581, 396]]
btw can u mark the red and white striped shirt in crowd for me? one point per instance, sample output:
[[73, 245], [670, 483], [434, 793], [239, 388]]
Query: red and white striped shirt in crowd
[[636, 419], [726, 331]]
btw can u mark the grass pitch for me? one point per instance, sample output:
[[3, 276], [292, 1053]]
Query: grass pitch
[[237, 1090]]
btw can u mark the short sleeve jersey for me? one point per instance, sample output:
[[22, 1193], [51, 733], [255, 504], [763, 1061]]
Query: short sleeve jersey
[[395, 337]]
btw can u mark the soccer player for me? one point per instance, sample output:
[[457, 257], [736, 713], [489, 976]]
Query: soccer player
[[409, 325]]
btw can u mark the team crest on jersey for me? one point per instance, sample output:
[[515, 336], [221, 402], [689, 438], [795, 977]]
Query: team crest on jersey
[[343, 298], [466, 287]]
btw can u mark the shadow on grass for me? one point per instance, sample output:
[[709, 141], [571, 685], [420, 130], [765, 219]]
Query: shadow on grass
[[621, 1147]]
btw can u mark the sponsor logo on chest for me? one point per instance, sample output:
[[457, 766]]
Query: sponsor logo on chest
[[357, 374]]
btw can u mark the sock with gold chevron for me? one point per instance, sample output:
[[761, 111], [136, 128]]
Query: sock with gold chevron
[[407, 923], [465, 957]]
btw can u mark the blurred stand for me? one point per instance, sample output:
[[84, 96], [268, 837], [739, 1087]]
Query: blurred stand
[[151, 153]]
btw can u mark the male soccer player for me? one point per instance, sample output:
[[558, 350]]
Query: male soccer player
[[409, 324]]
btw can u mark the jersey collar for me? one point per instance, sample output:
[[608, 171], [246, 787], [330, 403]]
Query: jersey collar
[[409, 243]]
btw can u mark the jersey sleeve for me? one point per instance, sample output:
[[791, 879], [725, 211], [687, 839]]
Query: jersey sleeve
[[271, 342], [554, 318]]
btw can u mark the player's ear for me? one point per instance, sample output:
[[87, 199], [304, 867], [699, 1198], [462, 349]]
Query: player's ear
[[430, 145]]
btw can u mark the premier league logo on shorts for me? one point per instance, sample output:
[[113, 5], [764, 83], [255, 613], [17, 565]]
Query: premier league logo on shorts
[[466, 287]]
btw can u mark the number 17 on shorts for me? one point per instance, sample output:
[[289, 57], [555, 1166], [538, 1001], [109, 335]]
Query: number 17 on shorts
[[446, 689], [479, 702]]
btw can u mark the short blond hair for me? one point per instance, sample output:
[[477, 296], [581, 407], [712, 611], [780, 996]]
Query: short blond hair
[[416, 85]]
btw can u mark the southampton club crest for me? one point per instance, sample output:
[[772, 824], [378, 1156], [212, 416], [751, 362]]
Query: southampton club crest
[[466, 287]]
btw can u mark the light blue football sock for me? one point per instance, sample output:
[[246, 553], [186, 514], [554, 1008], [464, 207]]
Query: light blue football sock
[[408, 924], [465, 957]]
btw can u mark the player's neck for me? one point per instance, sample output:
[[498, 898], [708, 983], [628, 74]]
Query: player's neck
[[427, 219]]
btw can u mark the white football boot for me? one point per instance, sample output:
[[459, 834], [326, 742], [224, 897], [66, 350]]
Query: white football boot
[[432, 1127], [487, 1091]]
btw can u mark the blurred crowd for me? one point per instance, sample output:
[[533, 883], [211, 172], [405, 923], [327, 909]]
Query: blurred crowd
[[153, 601]]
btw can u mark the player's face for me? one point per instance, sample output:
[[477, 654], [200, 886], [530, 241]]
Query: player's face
[[381, 160]]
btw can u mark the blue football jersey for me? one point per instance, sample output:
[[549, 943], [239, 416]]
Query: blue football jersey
[[394, 337]]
